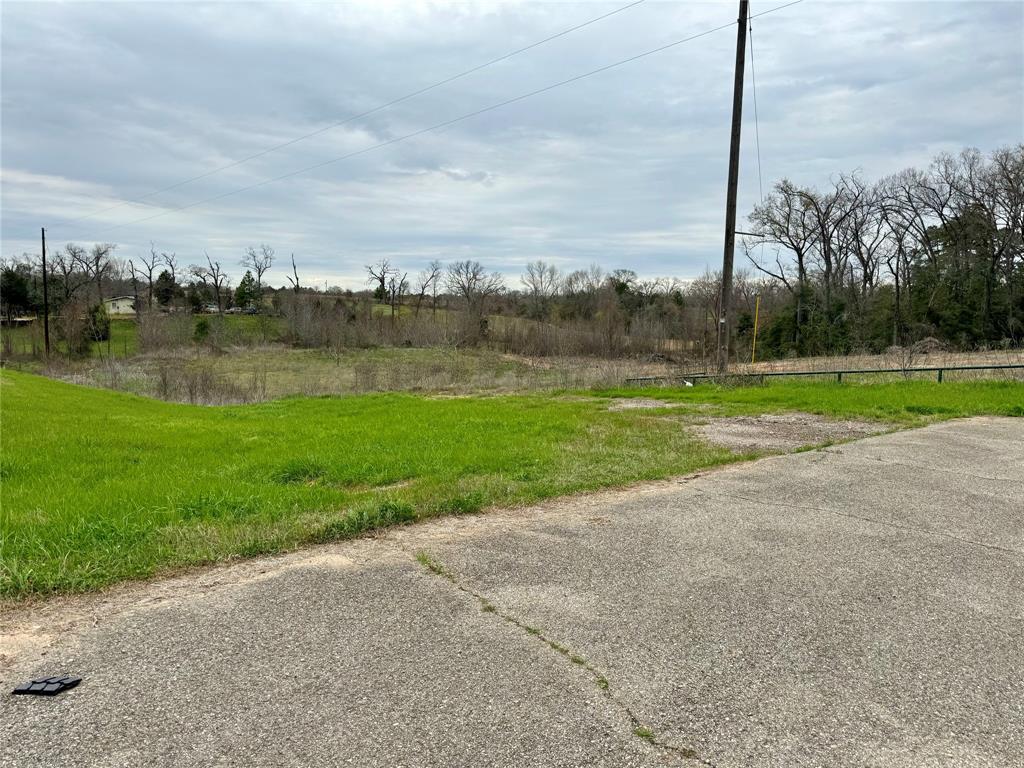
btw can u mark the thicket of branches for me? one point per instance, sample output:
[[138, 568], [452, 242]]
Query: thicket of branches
[[858, 266], [922, 253]]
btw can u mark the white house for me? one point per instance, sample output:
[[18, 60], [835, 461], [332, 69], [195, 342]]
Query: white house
[[120, 305]]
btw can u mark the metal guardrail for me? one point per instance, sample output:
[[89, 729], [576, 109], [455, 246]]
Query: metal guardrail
[[938, 369]]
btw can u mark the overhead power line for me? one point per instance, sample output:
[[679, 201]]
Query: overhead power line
[[757, 129], [367, 113], [443, 124]]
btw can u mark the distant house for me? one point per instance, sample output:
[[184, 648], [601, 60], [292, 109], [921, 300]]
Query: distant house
[[120, 305]]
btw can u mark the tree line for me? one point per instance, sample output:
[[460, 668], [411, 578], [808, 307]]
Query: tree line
[[931, 253]]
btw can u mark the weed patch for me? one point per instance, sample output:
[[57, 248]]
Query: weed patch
[[300, 471]]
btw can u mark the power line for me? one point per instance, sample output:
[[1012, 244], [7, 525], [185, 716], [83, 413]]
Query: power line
[[443, 124], [776, 8], [757, 130], [367, 113]]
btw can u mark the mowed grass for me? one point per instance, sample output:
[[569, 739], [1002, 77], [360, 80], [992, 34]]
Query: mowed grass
[[100, 486]]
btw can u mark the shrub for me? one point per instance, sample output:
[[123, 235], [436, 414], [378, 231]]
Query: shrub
[[99, 323]]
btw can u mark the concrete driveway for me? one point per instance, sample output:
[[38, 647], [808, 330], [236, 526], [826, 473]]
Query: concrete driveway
[[860, 605]]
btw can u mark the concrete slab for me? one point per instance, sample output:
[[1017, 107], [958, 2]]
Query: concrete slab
[[857, 606]]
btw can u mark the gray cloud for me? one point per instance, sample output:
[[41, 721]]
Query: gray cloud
[[106, 102]]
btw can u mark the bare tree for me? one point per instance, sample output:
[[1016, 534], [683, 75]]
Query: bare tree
[[784, 220], [212, 276], [259, 261], [69, 268], [147, 269], [542, 282], [99, 266], [294, 277], [581, 288], [474, 284], [863, 234], [379, 274], [829, 213], [898, 245], [397, 287], [427, 282], [1006, 184]]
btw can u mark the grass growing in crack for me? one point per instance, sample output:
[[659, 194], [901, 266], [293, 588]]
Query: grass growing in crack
[[432, 565], [437, 568]]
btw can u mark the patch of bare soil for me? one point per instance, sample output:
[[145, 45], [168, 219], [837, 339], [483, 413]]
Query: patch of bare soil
[[780, 432], [635, 403]]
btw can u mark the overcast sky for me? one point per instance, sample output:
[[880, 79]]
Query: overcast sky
[[103, 103]]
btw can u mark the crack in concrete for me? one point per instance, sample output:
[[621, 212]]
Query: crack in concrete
[[639, 729], [929, 468], [863, 518]]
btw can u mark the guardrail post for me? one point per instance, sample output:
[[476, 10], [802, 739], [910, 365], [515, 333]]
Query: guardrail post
[[839, 377], [940, 375]]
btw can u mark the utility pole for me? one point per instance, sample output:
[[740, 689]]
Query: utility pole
[[724, 320], [46, 299]]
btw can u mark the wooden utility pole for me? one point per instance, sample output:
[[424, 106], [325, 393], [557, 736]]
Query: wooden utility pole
[[46, 299], [725, 319]]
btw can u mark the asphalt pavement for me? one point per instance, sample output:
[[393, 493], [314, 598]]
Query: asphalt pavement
[[859, 605]]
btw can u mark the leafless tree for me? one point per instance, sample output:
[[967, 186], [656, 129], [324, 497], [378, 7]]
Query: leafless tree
[[863, 234], [99, 266], [1006, 184], [829, 212], [171, 262], [379, 274], [212, 276], [897, 247], [474, 284], [397, 288], [147, 269], [992, 193], [784, 220], [259, 261], [426, 282], [293, 278], [580, 288], [542, 282], [70, 269]]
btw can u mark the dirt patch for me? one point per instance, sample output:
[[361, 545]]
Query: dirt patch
[[783, 431], [635, 403]]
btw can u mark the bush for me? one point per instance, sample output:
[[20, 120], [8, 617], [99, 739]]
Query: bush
[[157, 330], [99, 323]]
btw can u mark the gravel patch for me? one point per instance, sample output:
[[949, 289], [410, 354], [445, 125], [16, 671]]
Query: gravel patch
[[784, 431]]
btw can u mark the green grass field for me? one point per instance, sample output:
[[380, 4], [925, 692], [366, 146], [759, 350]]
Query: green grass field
[[100, 486]]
